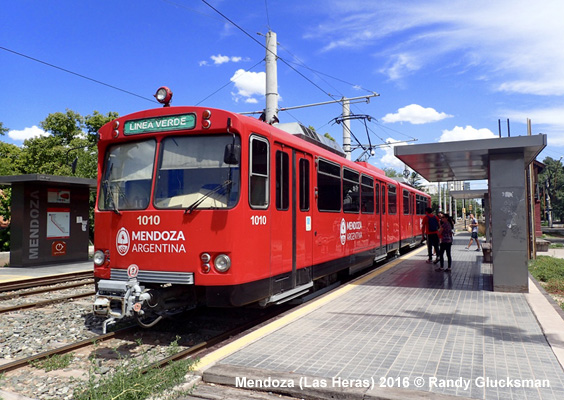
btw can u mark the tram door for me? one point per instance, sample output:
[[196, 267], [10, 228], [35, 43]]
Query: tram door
[[379, 217], [291, 225]]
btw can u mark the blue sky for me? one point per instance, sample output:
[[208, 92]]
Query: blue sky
[[445, 69]]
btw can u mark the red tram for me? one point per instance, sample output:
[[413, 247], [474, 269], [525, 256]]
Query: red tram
[[204, 206]]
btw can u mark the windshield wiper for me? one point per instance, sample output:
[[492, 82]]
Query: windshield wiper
[[110, 193], [195, 204]]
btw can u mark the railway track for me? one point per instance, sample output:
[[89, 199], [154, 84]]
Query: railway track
[[202, 335], [44, 281], [42, 303], [23, 362], [192, 350], [126, 339], [37, 286]]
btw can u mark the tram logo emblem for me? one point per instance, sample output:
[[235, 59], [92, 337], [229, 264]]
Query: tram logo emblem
[[122, 242], [350, 231]]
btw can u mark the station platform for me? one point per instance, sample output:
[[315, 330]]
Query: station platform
[[8, 274], [406, 331]]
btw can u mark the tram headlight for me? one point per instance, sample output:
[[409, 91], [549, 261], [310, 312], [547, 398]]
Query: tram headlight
[[164, 96], [222, 263], [99, 258]]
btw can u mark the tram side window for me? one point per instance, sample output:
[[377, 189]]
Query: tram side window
[[351, 191], [304, 184], [392, 200], [328, 186], [421, 204], [259, 172], [367, 195], [282, 181], [405, 202]]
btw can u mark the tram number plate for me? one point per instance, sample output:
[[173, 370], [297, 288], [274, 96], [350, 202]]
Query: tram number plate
[[258, 220]]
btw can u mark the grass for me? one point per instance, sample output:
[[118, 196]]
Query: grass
[[549, 271], [57, 361], [132, 381]]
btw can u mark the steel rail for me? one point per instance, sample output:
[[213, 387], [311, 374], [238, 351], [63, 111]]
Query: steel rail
[[45, 302], [206, 344], [45, 290], [62, 350], [46, 280]]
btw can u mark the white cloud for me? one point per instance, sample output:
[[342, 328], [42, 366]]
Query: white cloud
[[416, 115], [548, 120], [221, 59], [249, 84], [389, 159], [401, 65], [469, 133], [517, 45], [27, 133], [553, 116]]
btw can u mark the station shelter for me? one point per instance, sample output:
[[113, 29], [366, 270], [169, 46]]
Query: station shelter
[[504, 163], [49, 219]]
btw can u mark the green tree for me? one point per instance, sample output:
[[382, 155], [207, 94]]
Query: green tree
[[551, 179], [392, 173], [2, 129], [64, 126], [72, 136], [10, 163], [94, 122], [415, 180]]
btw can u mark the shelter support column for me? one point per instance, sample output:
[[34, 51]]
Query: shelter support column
[[487, 218], [508, 199]]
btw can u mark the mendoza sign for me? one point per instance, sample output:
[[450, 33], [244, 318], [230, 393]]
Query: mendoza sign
[[160, 124]]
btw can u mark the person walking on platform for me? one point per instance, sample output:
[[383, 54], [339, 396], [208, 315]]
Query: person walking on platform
[[430, 225], [474, 233], [446, 235]]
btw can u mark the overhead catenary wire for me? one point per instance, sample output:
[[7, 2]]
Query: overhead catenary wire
[[318, 73], [227, 84], [263, 46], [77, 74], [288, 64]]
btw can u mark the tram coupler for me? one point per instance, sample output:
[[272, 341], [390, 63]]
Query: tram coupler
[[119, 299]]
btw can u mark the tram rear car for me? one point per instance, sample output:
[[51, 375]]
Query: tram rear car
[[203, 206]]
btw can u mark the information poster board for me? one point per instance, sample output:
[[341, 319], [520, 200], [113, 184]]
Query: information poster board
[[58, 223], [58, 196]]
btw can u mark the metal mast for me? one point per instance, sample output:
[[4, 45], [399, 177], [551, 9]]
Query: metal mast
[[346, 128], [271, 110]]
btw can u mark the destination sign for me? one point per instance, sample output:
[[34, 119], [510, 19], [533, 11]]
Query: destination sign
[[160, 124]]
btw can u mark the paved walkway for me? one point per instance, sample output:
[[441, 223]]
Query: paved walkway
[[407, 332]]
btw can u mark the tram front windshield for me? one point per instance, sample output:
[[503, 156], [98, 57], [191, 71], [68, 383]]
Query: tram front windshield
[[193, 173], [127, 176]]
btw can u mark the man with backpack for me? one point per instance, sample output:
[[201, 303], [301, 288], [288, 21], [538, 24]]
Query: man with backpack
[[430, 225]]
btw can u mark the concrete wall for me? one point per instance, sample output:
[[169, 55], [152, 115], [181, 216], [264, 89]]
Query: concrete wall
[[508, 197], [4, 258]]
